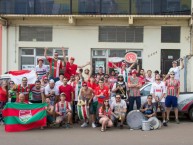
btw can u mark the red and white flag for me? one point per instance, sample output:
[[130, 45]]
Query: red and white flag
[[17, 76]]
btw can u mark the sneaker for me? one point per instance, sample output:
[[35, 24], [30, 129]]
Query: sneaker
[[93, 125], [177, 121], [67, 125], [165, 123], [84, 125]]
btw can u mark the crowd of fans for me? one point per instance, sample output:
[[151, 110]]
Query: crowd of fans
[[107, 98]]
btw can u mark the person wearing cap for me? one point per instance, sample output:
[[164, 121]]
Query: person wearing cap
[[124, 70], [41, 69], [86, 94], [52, 92], [71, 68], [63, 111], [55, 64], [176, 69], [134, 85], [173, 92], [120, 87]]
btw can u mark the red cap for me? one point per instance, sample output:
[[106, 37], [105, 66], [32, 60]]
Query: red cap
[[72, 58], [84, 84], [44, 77], [40, 59], [134, 71]]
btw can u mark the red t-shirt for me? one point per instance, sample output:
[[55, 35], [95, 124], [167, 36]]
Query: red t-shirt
[[68, 90], [107, 112], [105, 92], [3, 95], [24, 91], [70, 70], [142, 79], [55, 67], [93, 86]]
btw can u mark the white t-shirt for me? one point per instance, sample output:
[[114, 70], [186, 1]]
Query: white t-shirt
[[48, 90], [176, 70], [58, 83], [158, 90], [118, 106], [124, 73], [41, 71]]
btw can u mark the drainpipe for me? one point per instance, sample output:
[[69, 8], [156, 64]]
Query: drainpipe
[[6, 24]]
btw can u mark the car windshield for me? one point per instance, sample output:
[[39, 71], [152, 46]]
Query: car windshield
[[146, 90]]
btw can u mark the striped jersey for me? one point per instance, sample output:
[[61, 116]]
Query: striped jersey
[[55, 66], [25, 90], [41, 71], [36, 94], [62, 107], [172, 87], [134, 91]]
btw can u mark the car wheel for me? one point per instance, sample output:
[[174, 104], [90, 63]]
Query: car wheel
[[190, 113]]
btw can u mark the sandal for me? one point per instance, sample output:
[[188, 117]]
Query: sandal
[[102, 130]]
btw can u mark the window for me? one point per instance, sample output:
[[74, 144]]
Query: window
[[29, 56], [35, 33], [120, 34], [170, 34]]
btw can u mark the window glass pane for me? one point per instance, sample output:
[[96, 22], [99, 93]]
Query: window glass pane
[[40, 52], [27, 51], [27, 60], [99, 52], [117, 53]]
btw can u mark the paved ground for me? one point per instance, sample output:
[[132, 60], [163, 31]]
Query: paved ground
[[174, 134]]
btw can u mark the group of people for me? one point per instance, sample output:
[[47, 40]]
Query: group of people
[[107, 98]]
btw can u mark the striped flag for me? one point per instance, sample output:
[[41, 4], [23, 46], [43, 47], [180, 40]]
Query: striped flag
[[21, 117]]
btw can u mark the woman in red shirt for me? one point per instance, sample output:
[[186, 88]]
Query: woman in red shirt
[[105, 115], [3, 98]]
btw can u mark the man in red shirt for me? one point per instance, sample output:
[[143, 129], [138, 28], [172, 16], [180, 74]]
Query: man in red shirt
[[55, 64], [102, 93], [25, 89], [68, 90], [71, 68]]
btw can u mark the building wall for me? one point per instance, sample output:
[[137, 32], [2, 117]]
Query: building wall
[[1, 49], [84, 36]]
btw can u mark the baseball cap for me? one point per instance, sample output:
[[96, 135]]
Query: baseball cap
[[44, 77], [72, 58], [134, 71], [51, 81], [84, 84], [40, 59]]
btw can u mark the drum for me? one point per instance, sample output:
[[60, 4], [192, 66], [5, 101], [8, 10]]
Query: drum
[[82, 112], [134, 119], [145, 125], [154, 122]]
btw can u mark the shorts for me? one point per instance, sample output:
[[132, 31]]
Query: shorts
[[93, 108], [171, 101], [161, 106]]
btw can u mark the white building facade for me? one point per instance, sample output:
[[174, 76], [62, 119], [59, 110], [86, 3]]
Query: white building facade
[[158, 39]]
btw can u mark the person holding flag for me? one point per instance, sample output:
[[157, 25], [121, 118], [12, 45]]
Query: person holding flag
[[124, 70], [55, 64]]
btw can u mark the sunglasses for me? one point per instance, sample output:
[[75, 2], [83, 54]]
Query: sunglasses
[[84, 85], [118, 97], [172, 74]]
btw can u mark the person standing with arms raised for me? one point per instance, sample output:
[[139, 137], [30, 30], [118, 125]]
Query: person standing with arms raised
[[55, 64]]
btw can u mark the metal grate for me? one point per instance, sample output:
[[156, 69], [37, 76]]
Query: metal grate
[[35, 33], [170, 34], [120, 34]]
